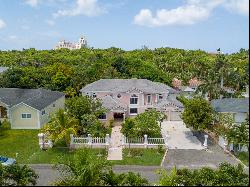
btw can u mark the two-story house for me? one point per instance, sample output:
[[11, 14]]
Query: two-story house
[[129, 97]]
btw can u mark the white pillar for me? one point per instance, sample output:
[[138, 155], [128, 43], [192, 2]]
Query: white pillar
[[123, 140], [124, 116], [41, 140], [205, 141], [145, 141], [89, 139], [107, 140]]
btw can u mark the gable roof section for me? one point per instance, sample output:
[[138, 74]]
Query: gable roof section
[[110, 103], [125, 85], [231, 105], [36, 98]]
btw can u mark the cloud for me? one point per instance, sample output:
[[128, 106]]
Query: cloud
[[12, 37], [239, 6], [32, 3], [50, 22], [2, 24], [82, 7], [193, 11]]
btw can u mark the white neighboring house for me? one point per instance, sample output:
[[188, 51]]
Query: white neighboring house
[[238, 107], [68, 45], [246, 94]]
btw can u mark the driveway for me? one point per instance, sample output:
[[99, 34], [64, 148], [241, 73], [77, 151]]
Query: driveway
[[179, 136]]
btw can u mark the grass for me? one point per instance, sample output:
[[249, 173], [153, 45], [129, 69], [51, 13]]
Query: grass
[[145, 157], [244, 157], [25, 143]]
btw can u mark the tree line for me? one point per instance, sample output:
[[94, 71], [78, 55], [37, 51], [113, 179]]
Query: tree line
[[69, 70]]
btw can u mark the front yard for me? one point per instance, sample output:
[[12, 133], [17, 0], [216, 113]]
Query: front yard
[[25, 144]]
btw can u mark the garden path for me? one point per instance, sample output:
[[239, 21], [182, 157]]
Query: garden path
[[115, 149]]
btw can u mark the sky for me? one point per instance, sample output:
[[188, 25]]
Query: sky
[[127, 24]]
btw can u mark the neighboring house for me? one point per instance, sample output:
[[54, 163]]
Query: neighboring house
[[29, 108], [129, 97], [189, 90], [238, 107], [3, 69]]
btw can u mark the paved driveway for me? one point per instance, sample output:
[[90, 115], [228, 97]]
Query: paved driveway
[[180, 137]]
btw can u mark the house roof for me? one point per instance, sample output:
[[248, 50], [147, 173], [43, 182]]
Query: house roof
[[231, 105], [110, 103], [170, 100], [187, 89], [36, 98], [3, 69], [125, 85]]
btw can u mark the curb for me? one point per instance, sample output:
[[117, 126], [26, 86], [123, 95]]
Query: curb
[[164, 157]]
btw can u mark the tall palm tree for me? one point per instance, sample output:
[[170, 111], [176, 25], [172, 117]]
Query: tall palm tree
[[61, 126]]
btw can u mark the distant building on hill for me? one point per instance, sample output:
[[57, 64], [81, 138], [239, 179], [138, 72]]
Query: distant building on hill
[[68, 45]]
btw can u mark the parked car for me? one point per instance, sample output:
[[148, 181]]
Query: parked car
[[5, 161]]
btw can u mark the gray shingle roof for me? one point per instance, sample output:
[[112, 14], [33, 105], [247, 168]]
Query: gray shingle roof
[[124, 85], [36, 98], [110, 103], [170, 100], [231, 105], [3, 69]]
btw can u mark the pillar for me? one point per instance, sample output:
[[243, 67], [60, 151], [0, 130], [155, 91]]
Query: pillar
[[41, 140], [89, 139], [205, 141], [145, 141], [166, 141], [107, 140]]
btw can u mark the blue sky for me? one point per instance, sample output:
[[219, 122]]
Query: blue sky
[[127, 24]]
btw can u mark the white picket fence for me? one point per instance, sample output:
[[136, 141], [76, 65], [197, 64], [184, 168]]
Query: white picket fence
[[138, 142], [89, 141], [144, 142]]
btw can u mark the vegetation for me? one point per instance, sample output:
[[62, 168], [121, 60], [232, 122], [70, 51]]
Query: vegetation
[[145, 157], [144, 123], [225, 175], [4, 126], [85, 169], [61, 126], [16, 175], [198, 113], [70, 70]]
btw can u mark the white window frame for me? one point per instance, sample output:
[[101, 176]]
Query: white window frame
[[26, 114], [134, 114], [134, 96], [149, 96]]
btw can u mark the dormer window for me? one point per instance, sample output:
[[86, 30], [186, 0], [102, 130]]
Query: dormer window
[[160, 97]]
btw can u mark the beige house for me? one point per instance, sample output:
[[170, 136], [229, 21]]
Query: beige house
[[29, 108]]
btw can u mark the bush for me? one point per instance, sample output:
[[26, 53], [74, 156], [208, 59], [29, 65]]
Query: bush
[[160, 149], [5, 125]]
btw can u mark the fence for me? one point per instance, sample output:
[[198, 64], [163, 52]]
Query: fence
[[144, 142], [89, 141], [224, 144]]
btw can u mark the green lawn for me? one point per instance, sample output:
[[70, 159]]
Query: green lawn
[[25, 143], [146, 157], [244, 157]]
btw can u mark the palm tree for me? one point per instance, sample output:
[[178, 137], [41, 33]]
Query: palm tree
[[61, 126]]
